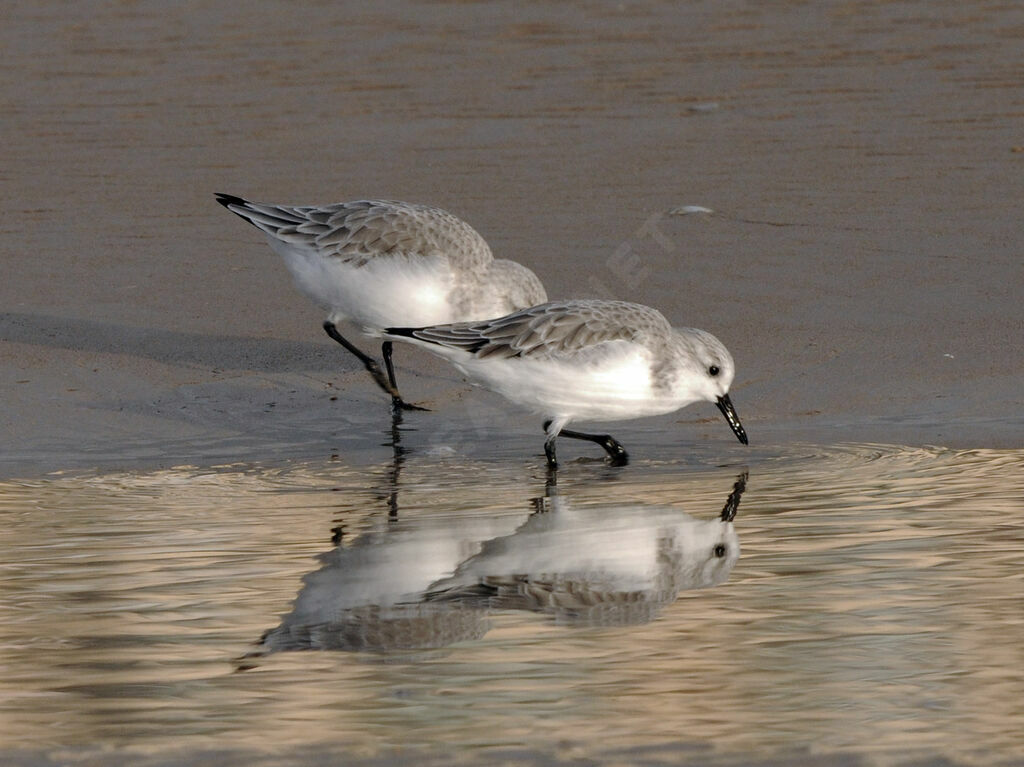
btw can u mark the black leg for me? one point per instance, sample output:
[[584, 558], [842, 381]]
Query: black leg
[[368, 362], [549, 451], [396, 401], [549, 448], [385, 350], [371, 366], [617, 454]]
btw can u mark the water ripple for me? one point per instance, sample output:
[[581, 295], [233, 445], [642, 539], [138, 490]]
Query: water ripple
[[863, 594]]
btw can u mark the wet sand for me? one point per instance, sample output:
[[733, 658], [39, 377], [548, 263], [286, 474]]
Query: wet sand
[[862, 160]]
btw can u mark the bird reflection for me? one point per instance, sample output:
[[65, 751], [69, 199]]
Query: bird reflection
[[397, 461], [429, 582], [398, 455], [603, 565], [367, 593]]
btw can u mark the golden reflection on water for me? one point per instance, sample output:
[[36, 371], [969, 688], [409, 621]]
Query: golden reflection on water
[[876, 605]]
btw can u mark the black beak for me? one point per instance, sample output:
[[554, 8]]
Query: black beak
[[725, 405]]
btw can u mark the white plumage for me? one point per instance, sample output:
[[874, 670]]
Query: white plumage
[[590, 360], [383, 263]]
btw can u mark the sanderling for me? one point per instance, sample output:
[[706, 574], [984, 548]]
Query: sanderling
[[382, 263], [588, 360]]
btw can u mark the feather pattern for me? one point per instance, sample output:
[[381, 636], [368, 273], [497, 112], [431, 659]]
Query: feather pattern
[[360, 231], [383, 263], [552, 330], [587, 359]]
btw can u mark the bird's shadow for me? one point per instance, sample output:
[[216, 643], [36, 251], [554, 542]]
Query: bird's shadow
[[172, 347]]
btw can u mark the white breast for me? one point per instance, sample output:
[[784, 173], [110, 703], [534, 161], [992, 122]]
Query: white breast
[[617, 388], [385, 292]]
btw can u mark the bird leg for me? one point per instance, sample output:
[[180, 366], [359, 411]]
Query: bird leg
[[549, 451], [384, 382], [617, 454], [385, 350], [396, 401]]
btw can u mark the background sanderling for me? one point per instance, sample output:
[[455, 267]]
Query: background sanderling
[[382, 263]]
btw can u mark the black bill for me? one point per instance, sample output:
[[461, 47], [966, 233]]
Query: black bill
[[725, 405]]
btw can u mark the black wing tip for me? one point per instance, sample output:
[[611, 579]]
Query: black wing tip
[[233, 203], [417, 334], [229, 199]]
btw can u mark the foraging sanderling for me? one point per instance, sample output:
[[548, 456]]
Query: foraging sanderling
[[382, 263], [590, 360]]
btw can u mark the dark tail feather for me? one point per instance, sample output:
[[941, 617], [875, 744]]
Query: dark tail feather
[[267, 218], [448, 336], [402, 332], [229, 199]]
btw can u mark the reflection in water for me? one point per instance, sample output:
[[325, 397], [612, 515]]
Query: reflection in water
[[599, 565], [365, 594], [416, 588], [875, 606], [398, 458]]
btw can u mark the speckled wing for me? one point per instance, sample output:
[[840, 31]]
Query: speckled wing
[[362, 230], [556, 329]]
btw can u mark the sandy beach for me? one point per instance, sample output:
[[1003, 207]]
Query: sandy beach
[[862, 162], [833, 189]]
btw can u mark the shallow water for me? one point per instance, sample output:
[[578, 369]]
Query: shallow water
[[873, 610], [861, 263]]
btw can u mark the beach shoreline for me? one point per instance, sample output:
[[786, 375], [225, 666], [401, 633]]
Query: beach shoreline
[[824, 191]]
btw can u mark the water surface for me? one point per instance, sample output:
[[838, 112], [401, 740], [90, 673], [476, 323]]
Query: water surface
[[866, 601]]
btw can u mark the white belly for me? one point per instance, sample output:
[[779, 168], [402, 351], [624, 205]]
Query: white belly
[[386, 292], [615, 391]]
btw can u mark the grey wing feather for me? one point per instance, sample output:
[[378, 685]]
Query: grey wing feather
[[361, 230], [557, 328]]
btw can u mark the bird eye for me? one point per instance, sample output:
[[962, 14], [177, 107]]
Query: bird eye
[[720, 550], [713, 370]]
